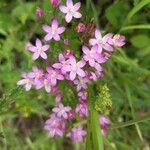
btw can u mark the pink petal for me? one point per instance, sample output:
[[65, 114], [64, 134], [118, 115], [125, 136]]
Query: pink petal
[[72, 60], [56, 37], [48, 37], [47, 88], [77, 6], [68, 17], [46, 28], [81, 73], [43, 55], [28, 87], [85, 49], [35, 56], [81, 63], [61, 57], [63, 9], [77, 15], [93, 41], [69, 3], [108, 47], [72, 75], [60, 30], [31, 48], [38, 43], [21, 82], [60, 77], [98, 34], [92, 62], [55, 23], [57, 65], [45, 47]]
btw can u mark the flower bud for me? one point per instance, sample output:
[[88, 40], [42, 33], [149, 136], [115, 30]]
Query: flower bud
[[80, 27], [39, 12], [54, 3], [66, 41]]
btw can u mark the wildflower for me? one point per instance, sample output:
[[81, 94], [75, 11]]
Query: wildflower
[[27, 82], [81, 83], [55, 126], [62, 63], [101, 42], [70, 10], [54, 3], [38, 49], [39, 12], [53, 31], [62, 111], [117, 40], [36, 74], [80, 27], [81, 109], [75, 68], [54, 75], [77, 134]]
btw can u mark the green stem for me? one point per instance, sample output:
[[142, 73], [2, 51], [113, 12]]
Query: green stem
[[94, 137]]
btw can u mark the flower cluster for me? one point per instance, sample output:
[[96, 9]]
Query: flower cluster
[[67, 67]]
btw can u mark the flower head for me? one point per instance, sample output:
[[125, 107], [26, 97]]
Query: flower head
[[75, 68], [77, 134], [54, 125], [53, 31], [54, 3], [39, 12], [54, 75], [101, 42], [71, 10], [81, 83], [81, 27], [38, 50], [81, 109], [62, 111]]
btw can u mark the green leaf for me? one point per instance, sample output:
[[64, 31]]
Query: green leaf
[[141, 26], [137, 8], [137, 40]]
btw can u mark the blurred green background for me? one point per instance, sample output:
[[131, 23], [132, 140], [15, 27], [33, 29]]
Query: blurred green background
[[127, 75]]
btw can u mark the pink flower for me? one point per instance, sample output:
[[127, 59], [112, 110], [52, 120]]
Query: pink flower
[[77, 134], [38, 49], [26, 81], [81, 109], [81, 83], [80, 27], [54, 75], [101, 42], [62, 111], [117, 40], [70, 10], [55, 126], [75, 68], [39, 12], [53, 31], [54, 3], [62, 63]]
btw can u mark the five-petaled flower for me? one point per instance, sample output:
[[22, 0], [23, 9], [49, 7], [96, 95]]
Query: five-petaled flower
[[71, 10], [38, 49], [101, 42], [75, 68], [77, 134], [53, 31], [62, 111]]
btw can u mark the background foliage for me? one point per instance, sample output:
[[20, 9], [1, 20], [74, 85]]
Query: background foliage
[[127, 74]]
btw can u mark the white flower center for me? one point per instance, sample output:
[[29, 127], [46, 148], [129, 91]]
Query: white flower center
[[37, 75], [53, 74], [45, 81], [74, 67], [71, 9], [39, 49]]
